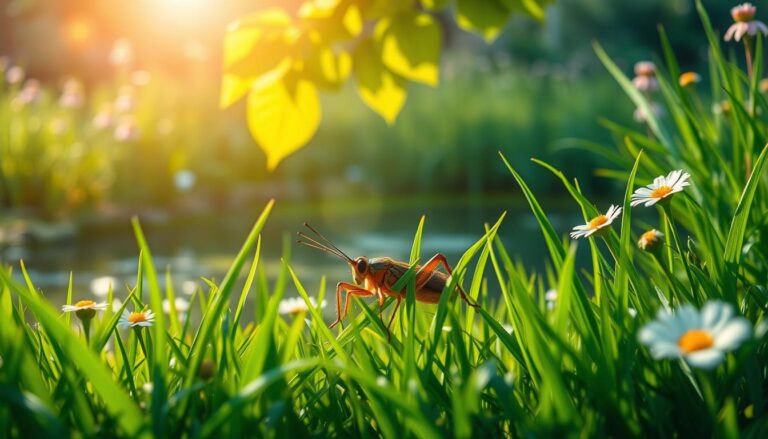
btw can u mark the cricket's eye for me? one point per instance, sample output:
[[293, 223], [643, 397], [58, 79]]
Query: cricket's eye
[[361, 265]]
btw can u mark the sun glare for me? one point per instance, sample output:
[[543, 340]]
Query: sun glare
[[78, 30]]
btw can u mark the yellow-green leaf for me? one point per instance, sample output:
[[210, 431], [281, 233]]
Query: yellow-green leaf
[[487, 17], [383, 91], [244, 33], [283, 116], [327, 68], [353, 20], [234, 87], [256, 44], [411, 47]]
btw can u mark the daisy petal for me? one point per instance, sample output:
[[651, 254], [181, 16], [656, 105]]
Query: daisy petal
[[705, 359], [733, 334], [688, 316], [662, 350], [715, 314], [656, 331]]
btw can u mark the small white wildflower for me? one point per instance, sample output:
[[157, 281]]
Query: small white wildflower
[[661, 188], [136, 319], [597, 223]]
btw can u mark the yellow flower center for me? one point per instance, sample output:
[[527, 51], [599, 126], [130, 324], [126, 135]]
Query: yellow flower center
[[661, 192], [649, 236], [85, 303], [597, 221], [695, 340], [137, 317]]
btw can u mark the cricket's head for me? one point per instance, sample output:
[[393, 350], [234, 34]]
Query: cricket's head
[[359, 268]]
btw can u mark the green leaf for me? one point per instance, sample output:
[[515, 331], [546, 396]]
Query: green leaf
[[380, 89], [487, 16], [411, 47], [283, 116], [327, 68]]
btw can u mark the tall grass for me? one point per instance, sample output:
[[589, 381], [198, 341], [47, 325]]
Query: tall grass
[[519, 366]]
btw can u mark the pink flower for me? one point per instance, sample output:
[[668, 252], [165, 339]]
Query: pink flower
[[743, 16], [645, 76]]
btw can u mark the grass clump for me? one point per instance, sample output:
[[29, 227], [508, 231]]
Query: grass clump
[[663, 340]]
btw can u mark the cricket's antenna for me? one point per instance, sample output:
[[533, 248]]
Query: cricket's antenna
[[324, 245]]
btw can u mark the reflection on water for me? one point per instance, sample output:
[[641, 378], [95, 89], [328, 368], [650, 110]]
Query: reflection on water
[[204, 246]]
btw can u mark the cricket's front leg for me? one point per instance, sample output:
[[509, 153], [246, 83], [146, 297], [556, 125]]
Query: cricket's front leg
[[351, 290], [427, 270]]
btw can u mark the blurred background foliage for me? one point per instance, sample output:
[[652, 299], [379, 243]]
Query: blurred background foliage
[[149, 72]]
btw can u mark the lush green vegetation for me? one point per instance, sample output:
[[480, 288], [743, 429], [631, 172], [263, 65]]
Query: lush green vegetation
[[568, 363]]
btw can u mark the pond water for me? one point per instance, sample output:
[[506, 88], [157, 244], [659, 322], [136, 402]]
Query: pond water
[[204, 245]]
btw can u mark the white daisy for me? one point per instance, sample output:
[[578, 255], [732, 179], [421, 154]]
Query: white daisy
[[597, 223], [136, 318], [85, 309], [296, 305], [701, 338], [661, 188], [84, 304], [743, 16]]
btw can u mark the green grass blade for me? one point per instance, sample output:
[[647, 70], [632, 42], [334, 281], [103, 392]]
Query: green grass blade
[[735, 240], [221, 300]]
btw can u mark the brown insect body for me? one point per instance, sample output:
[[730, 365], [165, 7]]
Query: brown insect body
[[385, 272], [377, 276]]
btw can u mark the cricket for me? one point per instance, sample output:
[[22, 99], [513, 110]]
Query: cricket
[[375, 277]]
